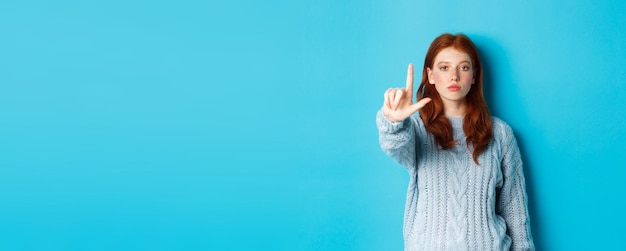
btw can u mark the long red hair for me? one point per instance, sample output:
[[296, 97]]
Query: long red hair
[[477, 122]]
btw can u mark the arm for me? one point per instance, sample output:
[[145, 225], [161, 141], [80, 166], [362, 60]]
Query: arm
[[397, 139], [396, 127], [512, 202]]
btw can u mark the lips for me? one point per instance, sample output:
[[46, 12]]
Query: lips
[[454, 88]]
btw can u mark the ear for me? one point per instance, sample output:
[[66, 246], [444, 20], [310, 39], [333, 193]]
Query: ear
[[431, 79], [473, 77]]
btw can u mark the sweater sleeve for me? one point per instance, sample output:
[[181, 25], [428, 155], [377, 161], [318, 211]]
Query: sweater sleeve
[[397, 139], [512, 200]]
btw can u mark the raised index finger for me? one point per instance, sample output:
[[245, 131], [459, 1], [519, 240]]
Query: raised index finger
[[409, 80]]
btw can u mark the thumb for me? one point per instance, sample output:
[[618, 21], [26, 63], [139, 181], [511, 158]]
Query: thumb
[[420, 104]]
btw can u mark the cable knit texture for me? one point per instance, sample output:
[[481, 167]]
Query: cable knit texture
[[452, 203]]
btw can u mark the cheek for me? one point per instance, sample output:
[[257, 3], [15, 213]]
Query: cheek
[[467, 76], [439, 78]]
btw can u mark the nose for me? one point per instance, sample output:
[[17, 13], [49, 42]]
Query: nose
[[454, 75]]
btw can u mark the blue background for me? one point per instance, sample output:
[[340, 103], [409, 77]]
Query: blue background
[[249, 125]]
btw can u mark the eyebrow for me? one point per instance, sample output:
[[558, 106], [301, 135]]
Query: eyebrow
[[447, 62]]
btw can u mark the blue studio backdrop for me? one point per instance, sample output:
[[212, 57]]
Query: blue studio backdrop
[[250, 125]]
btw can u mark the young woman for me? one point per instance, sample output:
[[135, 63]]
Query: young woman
[[466, 188]]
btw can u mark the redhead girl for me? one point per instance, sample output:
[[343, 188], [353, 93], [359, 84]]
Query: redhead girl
[[466, 189]]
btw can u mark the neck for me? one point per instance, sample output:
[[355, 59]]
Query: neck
[[455, 109]]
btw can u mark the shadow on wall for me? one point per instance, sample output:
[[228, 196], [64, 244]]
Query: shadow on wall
[[496, 70]]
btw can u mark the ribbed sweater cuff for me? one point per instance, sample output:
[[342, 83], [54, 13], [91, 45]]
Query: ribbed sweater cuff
[[388, 126]]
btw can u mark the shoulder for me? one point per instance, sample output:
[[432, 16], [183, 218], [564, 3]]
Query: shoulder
[[501, 130]]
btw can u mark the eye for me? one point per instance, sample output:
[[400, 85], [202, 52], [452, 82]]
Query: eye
[[443, 68], [465, 68]]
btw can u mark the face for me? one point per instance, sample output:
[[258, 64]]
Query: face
[[452, 75]]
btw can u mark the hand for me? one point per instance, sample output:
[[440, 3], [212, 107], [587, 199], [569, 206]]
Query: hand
[[399, 101]]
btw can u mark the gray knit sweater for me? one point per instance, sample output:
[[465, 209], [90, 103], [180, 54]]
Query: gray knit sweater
[[452, 203]]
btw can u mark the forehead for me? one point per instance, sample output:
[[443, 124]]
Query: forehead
[[451, 55]]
